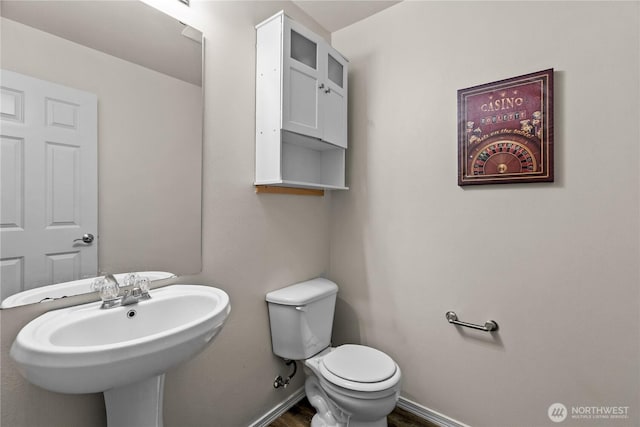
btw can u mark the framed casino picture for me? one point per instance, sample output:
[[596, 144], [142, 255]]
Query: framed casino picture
[[505, 131]]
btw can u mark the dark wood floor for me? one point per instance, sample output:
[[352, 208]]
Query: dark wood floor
[[300, 416]]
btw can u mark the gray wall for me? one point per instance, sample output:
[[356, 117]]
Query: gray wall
[[251, 244], [556, 265]]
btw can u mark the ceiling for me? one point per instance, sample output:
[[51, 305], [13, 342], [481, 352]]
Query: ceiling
[[148, 37], [131, 30], [334, 15]]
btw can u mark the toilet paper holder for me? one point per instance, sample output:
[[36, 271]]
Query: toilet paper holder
[[489, 325]]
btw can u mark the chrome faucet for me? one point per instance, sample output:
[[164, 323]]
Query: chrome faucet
[[133, 295], [109, 290]]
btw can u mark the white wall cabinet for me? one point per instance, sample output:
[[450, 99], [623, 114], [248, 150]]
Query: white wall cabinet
[[301, 107]]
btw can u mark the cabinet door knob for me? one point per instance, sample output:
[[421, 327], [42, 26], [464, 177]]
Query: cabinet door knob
[[321, 86], [327, 90]]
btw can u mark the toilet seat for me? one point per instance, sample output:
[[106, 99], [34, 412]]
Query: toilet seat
[[359, 363], [359, 368]]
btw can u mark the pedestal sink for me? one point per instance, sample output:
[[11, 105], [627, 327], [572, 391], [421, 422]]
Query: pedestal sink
[[122, 351]]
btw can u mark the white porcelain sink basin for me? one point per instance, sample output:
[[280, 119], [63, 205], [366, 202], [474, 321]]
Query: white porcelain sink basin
[[86, 349], [122, 351]]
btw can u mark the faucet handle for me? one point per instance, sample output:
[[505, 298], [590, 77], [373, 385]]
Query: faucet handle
[[142, 282], [108, 289], [97, 284], [130, 279]]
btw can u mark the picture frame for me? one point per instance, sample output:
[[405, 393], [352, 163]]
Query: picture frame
[[505, 131]]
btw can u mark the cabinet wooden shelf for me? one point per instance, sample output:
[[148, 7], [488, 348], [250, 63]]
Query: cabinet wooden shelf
[[301, 108]]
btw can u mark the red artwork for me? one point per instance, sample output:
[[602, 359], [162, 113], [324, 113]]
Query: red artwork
[[505, 131]]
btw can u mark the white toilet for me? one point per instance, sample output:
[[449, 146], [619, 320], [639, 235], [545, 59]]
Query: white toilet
[[349, 385]]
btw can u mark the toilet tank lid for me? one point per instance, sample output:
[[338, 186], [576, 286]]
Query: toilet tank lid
[[304, 292]]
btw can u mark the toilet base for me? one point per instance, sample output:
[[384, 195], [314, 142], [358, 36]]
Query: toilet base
[[343, 411], [378, 423], [317, 421]]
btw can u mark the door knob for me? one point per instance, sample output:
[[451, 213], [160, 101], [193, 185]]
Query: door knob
[[87, 238], [327, 90]]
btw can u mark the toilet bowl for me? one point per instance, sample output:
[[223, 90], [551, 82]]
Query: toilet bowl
[[349, 385], [352, 385]]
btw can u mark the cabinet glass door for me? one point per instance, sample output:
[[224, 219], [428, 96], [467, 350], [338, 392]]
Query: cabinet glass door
[[301, 78], [304, 50], [335, 71], [335, 99]]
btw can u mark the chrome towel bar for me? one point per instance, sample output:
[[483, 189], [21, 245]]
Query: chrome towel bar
[[489, 325]]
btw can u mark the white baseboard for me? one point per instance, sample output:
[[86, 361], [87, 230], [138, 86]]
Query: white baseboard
[[279, 409], [430, 415], [403, 403]]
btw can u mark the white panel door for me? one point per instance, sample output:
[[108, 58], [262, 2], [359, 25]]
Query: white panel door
[[301, 80], [49, 183]]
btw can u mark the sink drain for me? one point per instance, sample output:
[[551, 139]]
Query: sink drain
[[131, 314]]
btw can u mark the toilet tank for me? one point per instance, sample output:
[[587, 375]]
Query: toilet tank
[[301, 318]]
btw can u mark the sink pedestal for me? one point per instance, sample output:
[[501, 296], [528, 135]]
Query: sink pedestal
[[138, 404]]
